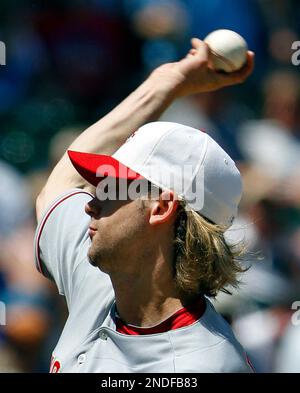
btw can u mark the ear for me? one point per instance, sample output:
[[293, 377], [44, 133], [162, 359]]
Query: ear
[[164, 209]]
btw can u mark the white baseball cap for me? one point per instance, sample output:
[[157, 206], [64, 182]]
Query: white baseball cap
[[173, 157]]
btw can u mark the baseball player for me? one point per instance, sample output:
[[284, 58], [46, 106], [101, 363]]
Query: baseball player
[[137, 271]]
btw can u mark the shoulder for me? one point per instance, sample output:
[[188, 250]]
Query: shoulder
[[209, 345]]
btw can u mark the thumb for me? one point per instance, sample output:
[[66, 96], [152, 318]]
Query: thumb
[[202, 49]]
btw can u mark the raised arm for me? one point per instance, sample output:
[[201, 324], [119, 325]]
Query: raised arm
[[168, 82]]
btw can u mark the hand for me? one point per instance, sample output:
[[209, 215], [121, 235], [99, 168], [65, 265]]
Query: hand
[[194, 74]]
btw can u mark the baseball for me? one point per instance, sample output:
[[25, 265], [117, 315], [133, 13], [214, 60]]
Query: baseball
[[228, 50]]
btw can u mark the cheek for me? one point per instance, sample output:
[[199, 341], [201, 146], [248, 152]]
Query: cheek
[[121, 227]]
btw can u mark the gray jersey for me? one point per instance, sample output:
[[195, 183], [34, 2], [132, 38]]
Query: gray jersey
[[89, 341]]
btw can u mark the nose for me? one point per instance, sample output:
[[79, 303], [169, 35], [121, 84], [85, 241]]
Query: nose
[[93, 208]]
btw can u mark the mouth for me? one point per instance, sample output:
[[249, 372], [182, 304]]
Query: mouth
[[92, 232]]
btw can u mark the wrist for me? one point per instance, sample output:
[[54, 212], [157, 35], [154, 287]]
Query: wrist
[[167, 82]]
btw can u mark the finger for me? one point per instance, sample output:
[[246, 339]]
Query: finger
[[192, 51], [248, 67], [189, 55], [202, 49], [240, 75]]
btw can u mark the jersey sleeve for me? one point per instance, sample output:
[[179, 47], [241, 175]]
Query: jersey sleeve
[[61, 239]]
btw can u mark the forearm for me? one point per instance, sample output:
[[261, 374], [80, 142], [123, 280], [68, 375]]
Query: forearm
[[145, 104]]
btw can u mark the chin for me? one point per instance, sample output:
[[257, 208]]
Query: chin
[[96, 262], [92, 262], [92, 259]]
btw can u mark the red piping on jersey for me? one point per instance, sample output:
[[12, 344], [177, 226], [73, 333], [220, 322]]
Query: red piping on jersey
[[39, 265], [249, 363], [184, 317]]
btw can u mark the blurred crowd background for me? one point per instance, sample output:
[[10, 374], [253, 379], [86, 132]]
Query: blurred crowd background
[[68, 63]]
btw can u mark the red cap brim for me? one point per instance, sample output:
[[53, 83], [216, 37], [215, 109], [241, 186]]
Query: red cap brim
[[93, 167]]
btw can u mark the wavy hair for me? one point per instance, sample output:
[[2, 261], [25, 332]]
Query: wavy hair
[[204, 263]]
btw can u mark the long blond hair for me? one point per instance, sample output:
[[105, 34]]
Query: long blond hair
[[203, 261]]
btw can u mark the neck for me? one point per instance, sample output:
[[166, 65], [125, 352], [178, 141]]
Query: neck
[[148, 296], [149, 312]]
